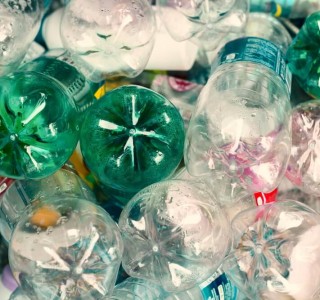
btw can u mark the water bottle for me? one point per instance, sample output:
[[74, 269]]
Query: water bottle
[[109, 38], [302, 56], [19, 24], [240, 126], [39, 125], [205, 23], [292, 9], [16, 195], [217, 287], [268, 27], [137, 136], [275, 252], [174, 234], [65, 248]]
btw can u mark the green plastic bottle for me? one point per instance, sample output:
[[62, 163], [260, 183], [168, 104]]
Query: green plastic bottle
[[303, 56], [39, 127], [132, 137]]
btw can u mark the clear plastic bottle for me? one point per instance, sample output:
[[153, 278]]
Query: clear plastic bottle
[[65, 248], [110, 38], [16, 195], [240, 126], [268, 27], [205, 23], [19, 24], [217, 287]]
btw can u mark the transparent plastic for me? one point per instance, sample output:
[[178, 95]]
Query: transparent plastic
[[110, 38], [268, 27], [132, 137], [276, 252], [20, 193], [38, 126], [19, 24], [303, 167], [66, 248], [240, 126], [204, 22], [174, 234], [57, 65], [19, 294]]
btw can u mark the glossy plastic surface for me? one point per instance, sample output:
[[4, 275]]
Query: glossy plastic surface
[[276, 251], [109, 37], [132, 137], [66, 248], [19, 24], [174, 234], [38, 126]]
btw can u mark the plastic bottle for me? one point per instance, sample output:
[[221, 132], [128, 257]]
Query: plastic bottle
[[19, 24], [39, 125], [65, 248], [275, 252], [205, 23], [16, 195], [109, 38], [216, 287], [302, 56], [174, 234], [138, 137], [268, 27], [291, 9], [240, 127]]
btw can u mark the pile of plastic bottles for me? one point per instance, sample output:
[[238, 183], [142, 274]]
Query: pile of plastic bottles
[[159, 150]]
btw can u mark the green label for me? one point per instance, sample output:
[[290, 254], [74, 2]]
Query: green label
[[279, 8], [255, 50]]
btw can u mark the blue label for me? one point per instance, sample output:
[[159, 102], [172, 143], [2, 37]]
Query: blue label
[[278, 8], [255, 50], [219, 289]]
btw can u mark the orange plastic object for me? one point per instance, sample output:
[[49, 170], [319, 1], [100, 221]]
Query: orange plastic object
[[45, 217]]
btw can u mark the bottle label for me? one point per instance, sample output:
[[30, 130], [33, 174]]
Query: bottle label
[[278, 8], [219, 288], [255, 50]]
